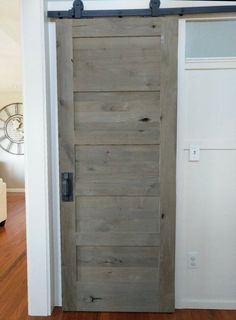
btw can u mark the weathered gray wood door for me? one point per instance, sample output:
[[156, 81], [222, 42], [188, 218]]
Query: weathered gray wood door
[[117, 84]]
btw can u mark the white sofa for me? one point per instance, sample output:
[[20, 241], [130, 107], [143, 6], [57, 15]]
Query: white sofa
[[3, 203]]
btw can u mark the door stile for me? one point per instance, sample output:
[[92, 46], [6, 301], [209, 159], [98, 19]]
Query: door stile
[[66, 158], [168, 102]]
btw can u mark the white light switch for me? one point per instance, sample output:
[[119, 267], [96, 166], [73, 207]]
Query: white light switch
[[194, 152]]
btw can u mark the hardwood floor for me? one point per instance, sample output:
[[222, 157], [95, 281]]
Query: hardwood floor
[[13, 302], [13, 287]]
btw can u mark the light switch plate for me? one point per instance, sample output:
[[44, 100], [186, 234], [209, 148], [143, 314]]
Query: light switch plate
[[194, 153]]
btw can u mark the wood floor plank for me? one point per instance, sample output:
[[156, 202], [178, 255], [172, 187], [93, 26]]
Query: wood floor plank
[[13, 283]]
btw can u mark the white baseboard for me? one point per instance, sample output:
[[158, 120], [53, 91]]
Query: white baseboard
[[15, 190], [206, 304]]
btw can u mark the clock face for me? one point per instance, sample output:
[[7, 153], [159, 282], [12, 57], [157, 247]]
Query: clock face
[[12, 128]]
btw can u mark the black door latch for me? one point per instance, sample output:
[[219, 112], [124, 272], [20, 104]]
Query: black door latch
[[67, 186]]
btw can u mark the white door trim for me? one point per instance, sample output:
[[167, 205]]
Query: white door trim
[[179, 257], [36, 98]]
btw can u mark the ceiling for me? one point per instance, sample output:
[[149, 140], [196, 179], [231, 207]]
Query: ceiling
[[10, 50]]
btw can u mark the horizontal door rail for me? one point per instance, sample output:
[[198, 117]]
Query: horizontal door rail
[[78, 12]]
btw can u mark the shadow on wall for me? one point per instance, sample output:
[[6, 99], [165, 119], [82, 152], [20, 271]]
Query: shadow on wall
[[12, 171]]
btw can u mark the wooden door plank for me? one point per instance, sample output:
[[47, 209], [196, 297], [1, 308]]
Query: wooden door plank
[[108, 274], [66, 158], [117, 239], [117, 118], [168, 100], [117, 214], [119, 207], [110, 256], [116, 27], [116, 64], [117, 170], [118, 223], [118, 297]]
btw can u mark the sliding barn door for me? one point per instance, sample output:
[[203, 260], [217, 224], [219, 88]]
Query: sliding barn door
[[117, 131]]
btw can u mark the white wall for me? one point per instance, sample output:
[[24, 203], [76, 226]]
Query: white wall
[[206, 201], [11, 166]]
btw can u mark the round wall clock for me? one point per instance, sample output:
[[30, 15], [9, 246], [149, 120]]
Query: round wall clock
[[12, 128]]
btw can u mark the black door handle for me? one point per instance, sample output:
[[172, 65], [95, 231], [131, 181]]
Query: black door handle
[[67, 186]]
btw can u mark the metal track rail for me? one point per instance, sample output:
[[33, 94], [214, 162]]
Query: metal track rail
[[78, 12]]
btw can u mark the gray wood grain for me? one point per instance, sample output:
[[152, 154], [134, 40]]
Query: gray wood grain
[[145, 275], [117, 170], [117, 214], [119, 223], [118, 297], [116, 64], [118, 239], [115, 257], [117, 118], [66, 159], [126, 207], [168, 162], [116, 27]]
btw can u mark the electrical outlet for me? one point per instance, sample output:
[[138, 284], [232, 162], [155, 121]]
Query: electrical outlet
[[192, 260]]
